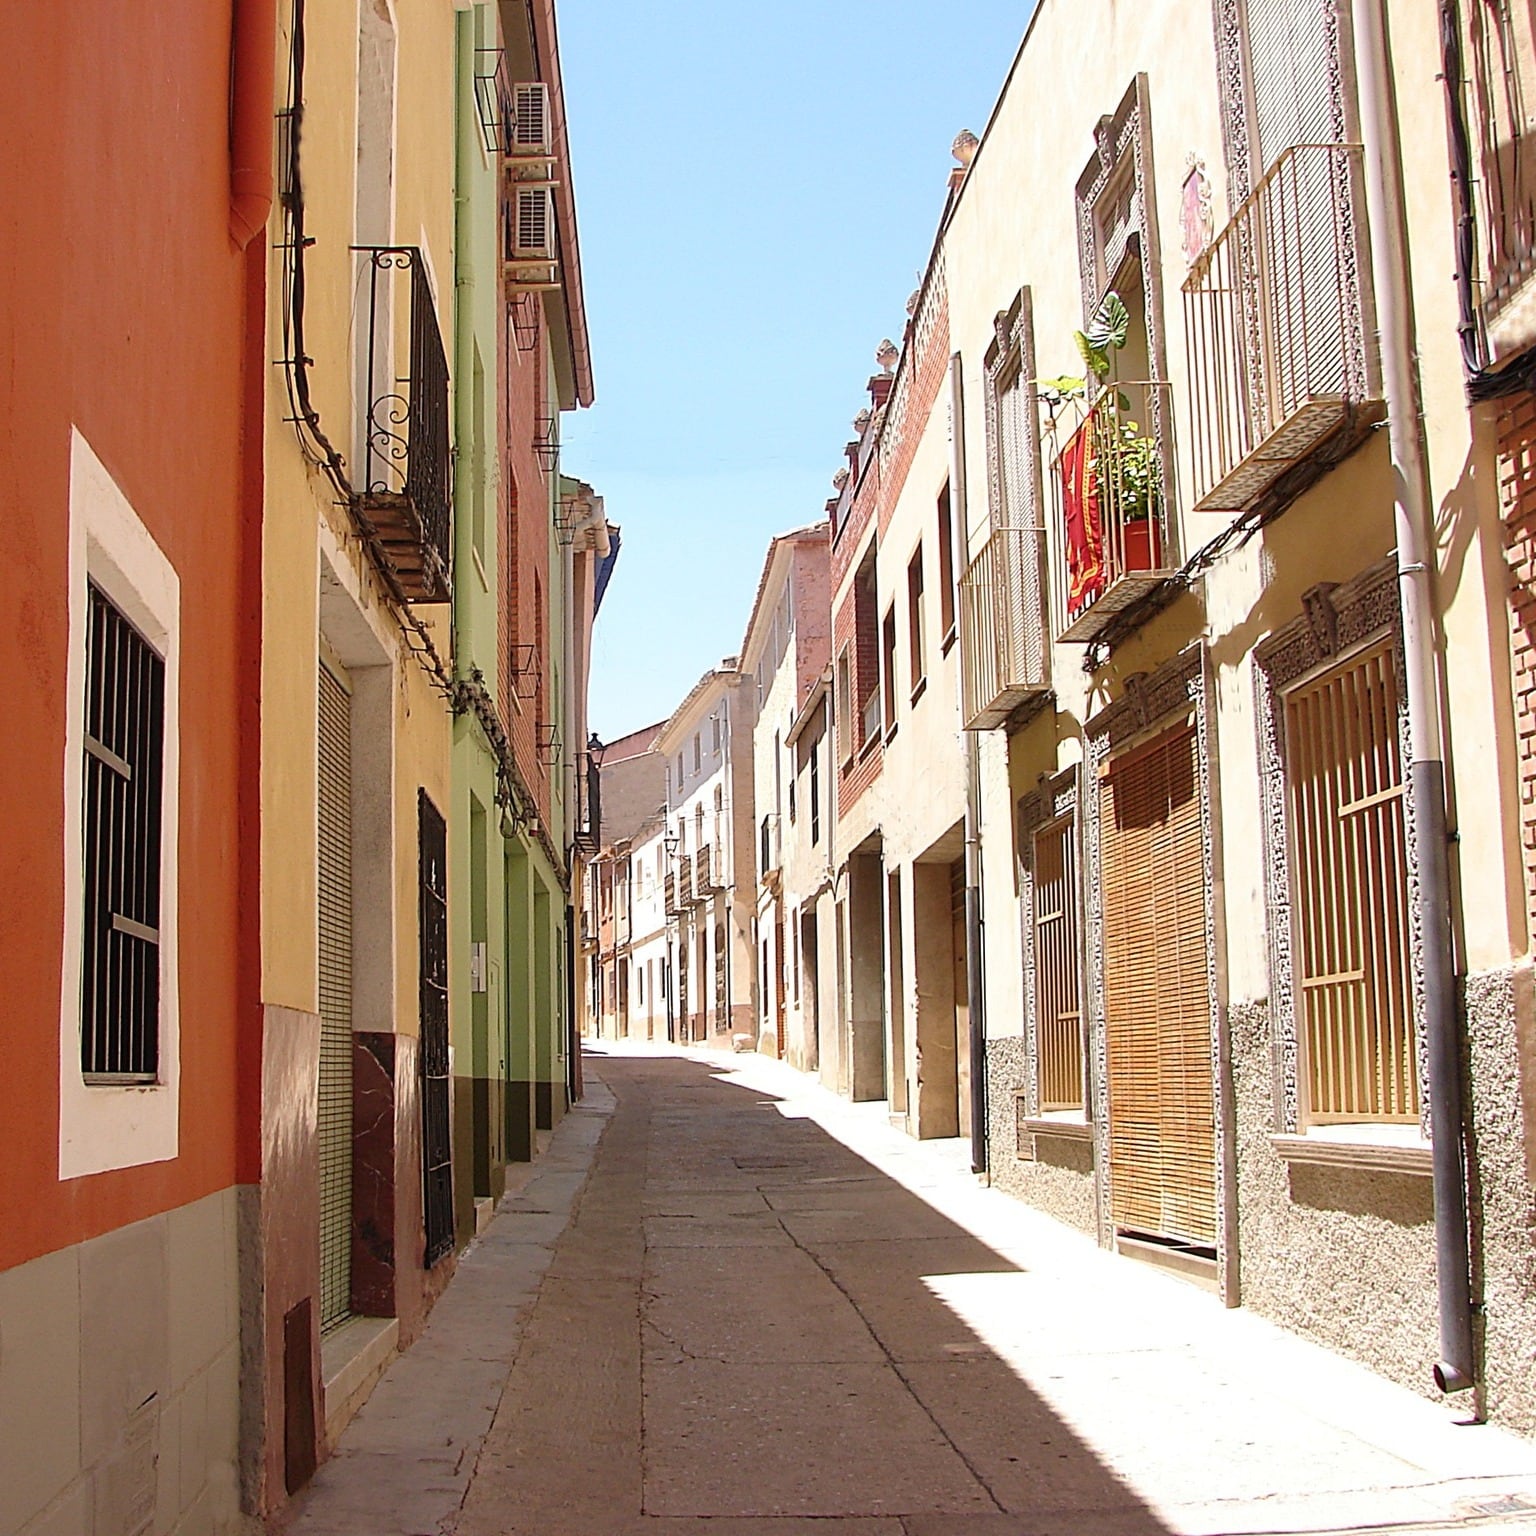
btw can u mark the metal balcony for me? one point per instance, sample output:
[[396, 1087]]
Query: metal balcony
[[404, 500], [1003, 654], [670, 895], [1111, 490], [1282, 373]]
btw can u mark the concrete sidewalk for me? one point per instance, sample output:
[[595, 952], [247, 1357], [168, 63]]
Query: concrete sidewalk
[[730, 1303]]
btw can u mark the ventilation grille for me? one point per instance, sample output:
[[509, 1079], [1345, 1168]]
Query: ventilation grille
[[528, 128]]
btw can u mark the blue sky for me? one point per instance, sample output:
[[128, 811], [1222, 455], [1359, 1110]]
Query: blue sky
[[757, 189]]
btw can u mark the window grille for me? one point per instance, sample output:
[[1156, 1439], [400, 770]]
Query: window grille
[[124, 764], [1346, 798], [816, 791], [1058, 1016]]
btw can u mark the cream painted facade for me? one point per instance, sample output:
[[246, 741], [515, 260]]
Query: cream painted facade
[[707, 747], [1279, 1152], [784, 653], [374, 167]]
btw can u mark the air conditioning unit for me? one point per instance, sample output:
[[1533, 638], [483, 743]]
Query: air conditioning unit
[[532, 235], [530, 134]]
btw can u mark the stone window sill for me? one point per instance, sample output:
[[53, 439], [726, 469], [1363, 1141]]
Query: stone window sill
[[1067, 1123], [1383, 1148]]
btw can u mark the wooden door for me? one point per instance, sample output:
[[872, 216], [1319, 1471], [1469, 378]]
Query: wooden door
[[1162, 1122]]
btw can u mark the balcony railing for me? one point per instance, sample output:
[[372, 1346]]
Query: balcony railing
[[669, 897], [406, 489], [1112, 496], [1282, 374], [1004, 657], [706, 872]]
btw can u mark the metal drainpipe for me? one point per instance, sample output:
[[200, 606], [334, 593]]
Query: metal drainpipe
[[1455, 1370], [975, 989]]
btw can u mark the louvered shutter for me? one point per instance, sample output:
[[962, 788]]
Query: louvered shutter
[[1292, 67], [1162, 1141], [1058, 1020], [335, 956], [1293, 72]]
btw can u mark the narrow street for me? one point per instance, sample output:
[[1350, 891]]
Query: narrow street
[[728, 1301]]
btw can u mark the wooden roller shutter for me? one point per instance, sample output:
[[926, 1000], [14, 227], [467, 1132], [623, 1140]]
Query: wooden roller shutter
[[1162, 1139], [1058, 1018], [335, 955]]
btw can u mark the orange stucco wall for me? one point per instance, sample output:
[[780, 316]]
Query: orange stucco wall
[[123, 309]]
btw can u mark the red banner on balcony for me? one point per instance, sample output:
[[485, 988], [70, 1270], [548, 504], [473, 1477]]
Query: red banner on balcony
[[1083, 518]]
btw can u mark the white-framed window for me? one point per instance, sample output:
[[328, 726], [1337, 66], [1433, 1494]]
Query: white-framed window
[[119, 1007]]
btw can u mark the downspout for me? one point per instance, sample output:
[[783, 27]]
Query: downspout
[[252, 98], [975, 989], [1454, 1371]]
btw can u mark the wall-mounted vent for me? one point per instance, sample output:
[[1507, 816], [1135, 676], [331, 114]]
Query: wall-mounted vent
[[528, 125]]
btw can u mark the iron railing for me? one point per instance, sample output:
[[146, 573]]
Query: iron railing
[[1004, 659], [436, 1134], [406, 493], [1274, 322], [1111, 490], [706, 872]]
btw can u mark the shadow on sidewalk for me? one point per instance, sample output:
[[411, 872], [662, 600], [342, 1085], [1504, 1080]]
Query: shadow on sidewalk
[[797, 1361]]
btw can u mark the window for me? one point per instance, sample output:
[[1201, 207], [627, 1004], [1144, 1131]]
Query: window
[[1058, 1016], [1348, 844], [844, 691], [917, 656], [867, 649], [123, 766], [714, 725], [679, 789], [946, 566], [698, 755], [888, 666], [119, 1016], [815, 791]]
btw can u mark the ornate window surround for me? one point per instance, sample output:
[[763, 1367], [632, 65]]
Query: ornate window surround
[[1336, 622], [1237, 94], [1123, 144], [1181, 689], [1010, 356], [1055, 798]]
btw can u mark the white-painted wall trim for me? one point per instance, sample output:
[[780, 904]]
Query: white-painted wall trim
[[102, 1127]]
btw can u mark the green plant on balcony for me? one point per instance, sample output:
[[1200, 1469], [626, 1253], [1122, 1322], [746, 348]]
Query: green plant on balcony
[[1128, 457]]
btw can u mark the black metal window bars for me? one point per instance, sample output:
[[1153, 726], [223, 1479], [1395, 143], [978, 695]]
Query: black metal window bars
[[405, 499]]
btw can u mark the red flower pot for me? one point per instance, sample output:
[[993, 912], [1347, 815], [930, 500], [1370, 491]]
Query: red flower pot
[[1139, 543]]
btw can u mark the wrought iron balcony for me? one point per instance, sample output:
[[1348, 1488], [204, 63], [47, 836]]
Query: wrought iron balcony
[[1003, 654], [404, 500], [1112, 498], [670, 895], [1282, 373]]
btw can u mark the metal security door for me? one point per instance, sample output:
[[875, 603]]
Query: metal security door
[[334, 838], [436, 1135]]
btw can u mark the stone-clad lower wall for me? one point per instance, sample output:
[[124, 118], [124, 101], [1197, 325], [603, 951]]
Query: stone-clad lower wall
[[1501, 1153], [1059, 1178], [120, 1381], [1347, 1256]]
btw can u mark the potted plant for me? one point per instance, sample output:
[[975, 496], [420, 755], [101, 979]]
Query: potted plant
[[1128, 465]]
